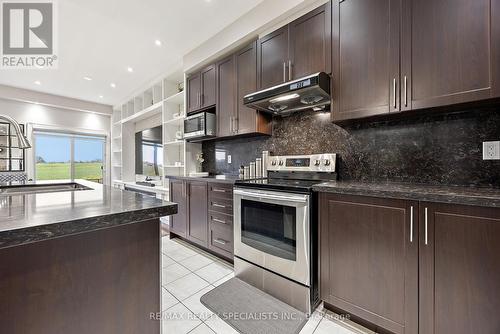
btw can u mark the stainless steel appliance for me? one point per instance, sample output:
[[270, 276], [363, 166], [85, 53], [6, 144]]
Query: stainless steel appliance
[[200, 126], [275, 228], [310, 92]]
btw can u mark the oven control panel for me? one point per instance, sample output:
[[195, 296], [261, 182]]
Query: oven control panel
[[303, 163]]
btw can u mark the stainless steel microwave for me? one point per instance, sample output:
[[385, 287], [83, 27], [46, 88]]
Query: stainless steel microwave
[[200, 126]]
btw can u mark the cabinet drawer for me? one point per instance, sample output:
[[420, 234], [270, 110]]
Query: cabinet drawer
[[222, 205], [221, 240], [218, 218], [220, 190]]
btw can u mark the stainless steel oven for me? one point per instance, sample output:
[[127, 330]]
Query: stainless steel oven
[[271, 230], [200, 126]]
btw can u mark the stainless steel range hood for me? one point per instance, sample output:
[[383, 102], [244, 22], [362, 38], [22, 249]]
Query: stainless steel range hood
[[311, 92]]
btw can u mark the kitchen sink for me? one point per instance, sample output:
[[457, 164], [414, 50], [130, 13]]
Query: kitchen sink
[[41, 188]]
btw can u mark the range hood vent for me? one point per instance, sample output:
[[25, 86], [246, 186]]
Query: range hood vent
[[311, 92]]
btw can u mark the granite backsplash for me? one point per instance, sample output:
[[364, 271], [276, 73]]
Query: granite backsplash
[[429, 149]]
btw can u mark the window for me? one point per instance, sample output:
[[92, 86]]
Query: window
[[61, 156], [152, 158]]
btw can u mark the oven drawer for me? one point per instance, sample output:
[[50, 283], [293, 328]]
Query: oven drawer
[[220, 190], [218, 218], [221, 205], [221, 239]]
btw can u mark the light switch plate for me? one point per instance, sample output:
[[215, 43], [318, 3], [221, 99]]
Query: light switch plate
[[491, 150], [228, 159]]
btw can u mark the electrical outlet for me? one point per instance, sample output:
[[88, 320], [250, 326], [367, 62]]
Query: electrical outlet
[[228, 159], [491, 150]]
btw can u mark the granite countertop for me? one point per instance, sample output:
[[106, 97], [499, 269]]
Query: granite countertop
[[33, 217], [228, 179], [486, 197]]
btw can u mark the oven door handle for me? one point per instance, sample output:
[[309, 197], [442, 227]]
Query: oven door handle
[[290, 198]]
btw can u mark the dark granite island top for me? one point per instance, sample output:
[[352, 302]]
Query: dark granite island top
[[485, 197], [31, 217]]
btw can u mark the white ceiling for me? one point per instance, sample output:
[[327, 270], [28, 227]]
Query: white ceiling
[[101, 38]]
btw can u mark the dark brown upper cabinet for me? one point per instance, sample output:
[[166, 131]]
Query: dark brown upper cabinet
[[459, 269], [226, 101], [310, 43], [365, 53], [451, 52], [193, 92], [369, 259], [396, 55], [237, 77], [201, 89], [300, 48], [272, 60]]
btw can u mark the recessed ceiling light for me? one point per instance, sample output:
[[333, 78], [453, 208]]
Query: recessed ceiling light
[[87, 78], [38, 83], [113, 85], [208, 0], [101, 97], [130, 69], [158, 42]]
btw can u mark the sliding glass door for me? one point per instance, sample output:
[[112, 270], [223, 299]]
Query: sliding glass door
[[60, 156]]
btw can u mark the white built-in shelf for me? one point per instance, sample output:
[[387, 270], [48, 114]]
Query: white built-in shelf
[[145, 113], [174, 142], [117, 166], [177, 98], [174, 120], [117, 151], [174, 166], [117, 123], [117, 137]]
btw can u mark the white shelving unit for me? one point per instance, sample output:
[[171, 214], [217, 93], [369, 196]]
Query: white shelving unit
[[161, 98], [116, 145]]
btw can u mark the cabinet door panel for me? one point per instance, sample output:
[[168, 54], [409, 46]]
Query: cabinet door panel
[[208, 87], [272, 58], [310, 43], [178, 222], [365, 53], [369, 267], [198, 213], [194, 91], [453, 52], [226, 103], [246, 69], [459, 270]]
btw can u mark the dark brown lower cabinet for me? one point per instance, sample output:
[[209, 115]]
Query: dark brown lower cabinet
[[399, 266], [459, 269], [198, 224], [369, 260], [205, 215], [179, 221]]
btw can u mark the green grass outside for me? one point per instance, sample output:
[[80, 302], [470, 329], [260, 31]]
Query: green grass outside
[[58, 171]]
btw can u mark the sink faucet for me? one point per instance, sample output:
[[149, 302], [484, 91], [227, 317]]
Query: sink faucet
[[22, 140]]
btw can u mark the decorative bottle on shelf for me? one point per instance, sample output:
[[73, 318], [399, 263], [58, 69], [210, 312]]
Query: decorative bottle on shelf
[[265, 160]]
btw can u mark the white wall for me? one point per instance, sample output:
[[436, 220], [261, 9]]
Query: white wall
[[261, 20], [41, 116]]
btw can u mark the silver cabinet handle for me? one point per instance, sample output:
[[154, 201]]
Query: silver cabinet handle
[[231, 124], [202, 97], [405, 92], [284, 71], [219, 221], [218, 205], [218, 190], [394, 92], [411, 223], [220, 241], [235, 124], [289, 70], [426, 231]]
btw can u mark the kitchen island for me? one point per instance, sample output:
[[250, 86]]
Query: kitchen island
[[81, 258]]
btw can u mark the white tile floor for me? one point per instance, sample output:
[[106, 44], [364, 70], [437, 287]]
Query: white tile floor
[[188, 273]]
